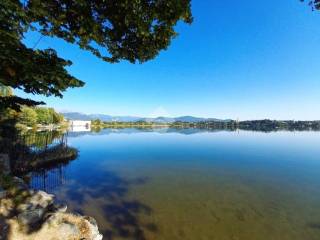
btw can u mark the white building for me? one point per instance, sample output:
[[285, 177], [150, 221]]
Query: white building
[[79, 125]]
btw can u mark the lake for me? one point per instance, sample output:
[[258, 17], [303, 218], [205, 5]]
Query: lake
[[191, 184]]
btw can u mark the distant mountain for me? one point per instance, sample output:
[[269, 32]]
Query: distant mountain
[[190, 119], [76, 116], [158, 120], [108, 118], [102, 117], [125, 119]]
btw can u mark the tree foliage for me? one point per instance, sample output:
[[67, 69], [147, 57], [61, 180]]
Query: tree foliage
[[315, 4], [113, 30], [10, 102], [47, 116], [5, 91], [39, 115], [28, 116], [96, 122]]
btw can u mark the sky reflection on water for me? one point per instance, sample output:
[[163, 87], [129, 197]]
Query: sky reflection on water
[[194, 184]]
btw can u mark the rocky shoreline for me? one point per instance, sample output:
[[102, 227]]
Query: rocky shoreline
[[26, 214]]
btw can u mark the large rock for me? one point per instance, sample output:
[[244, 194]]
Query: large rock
[[29, 218], [60, 226], [67, 230], [41, 199], [32, 215], [35, 200]]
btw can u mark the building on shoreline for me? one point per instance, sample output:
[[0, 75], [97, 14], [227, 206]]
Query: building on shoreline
[[79, 126]]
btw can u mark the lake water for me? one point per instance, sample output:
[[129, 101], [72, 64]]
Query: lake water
[[192, 184]]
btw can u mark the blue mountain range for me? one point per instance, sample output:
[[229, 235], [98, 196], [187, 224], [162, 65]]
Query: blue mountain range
[[109, 118]]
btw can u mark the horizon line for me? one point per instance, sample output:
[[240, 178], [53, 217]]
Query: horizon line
[[179, 116]]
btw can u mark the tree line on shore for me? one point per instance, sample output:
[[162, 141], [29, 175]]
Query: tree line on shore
[[28, 116], [32, 116], [254, 125], [264, 125]]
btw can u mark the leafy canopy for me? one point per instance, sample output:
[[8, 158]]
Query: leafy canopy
[[30, 116], [113, 30], [315, 4], [27, 116]]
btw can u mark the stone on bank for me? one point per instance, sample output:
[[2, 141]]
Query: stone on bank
[[32, 215]]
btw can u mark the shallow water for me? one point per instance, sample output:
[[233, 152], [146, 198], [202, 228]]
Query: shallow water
[[192, 184]]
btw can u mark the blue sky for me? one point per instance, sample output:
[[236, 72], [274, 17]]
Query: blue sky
[[239, 59]]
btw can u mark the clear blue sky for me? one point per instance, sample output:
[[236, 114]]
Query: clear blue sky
[[239, 59]]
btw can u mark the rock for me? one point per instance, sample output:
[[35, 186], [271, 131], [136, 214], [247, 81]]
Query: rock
[[5, 164], [59, 226], [31, 217], [17, 180], [3, 229], [6, 207], [60, 208], [41, 199], [94, 231], [67, 231], [3, 193], [24, 207], [19, 183], [35, 200], [69, 226], [91, 220]]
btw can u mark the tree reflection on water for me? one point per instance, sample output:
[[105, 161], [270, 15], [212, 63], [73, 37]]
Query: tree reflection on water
[[104, 196], [34, 154]]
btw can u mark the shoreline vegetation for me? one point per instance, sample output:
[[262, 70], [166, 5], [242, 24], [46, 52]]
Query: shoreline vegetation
[[254, 125]]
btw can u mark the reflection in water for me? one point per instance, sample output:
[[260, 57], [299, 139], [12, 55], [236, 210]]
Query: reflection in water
[[189, 184], [106, 197], [40, 150], [48, 180], [117, 214], [44, 154], [80, 128], [161, 130], [37, 141], [45, 159]]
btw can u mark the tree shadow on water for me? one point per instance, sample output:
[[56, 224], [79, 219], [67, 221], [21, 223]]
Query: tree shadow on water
[[22, 153], [105, 197]]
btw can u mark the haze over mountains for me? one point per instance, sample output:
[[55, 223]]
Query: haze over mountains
[[109, 118]]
